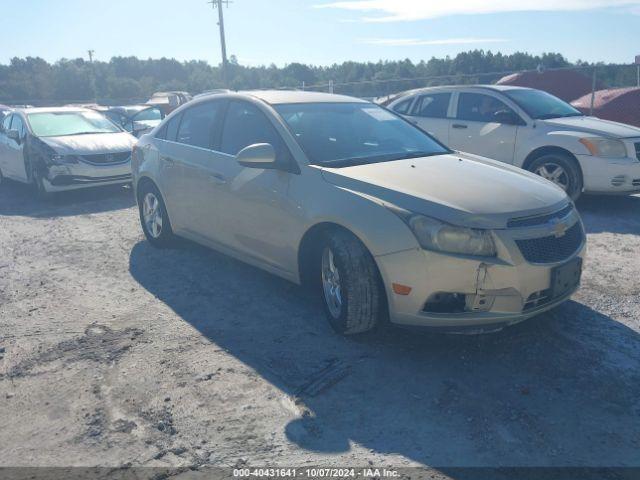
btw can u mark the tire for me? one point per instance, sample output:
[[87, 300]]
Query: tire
[[153, 217], [38, 185], [1, 179], [562, 170], [350, 285]]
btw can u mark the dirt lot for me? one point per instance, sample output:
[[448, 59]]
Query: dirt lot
[[113, 353]]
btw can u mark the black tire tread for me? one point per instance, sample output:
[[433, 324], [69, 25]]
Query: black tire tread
[[363, 290]]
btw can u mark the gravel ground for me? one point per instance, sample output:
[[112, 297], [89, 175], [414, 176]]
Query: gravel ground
[[113, 353]]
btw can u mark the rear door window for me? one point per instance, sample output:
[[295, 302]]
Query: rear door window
[[402, 107], [435, 105]]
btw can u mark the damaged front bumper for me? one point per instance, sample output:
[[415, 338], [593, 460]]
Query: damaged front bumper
[[82, 175], [468, 294]]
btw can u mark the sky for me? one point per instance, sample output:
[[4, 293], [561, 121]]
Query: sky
[[320, 32]]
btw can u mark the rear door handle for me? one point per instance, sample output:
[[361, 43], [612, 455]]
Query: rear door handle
[[217, 178], [458, 125]]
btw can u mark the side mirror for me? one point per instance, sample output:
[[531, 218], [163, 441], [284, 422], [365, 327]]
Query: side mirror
[[14, 135], [258, 155], [507, 117]]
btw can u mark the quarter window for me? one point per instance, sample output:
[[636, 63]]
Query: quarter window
[[198, 125], [432, 106], [246, 125], [476, 107], [402, 107]]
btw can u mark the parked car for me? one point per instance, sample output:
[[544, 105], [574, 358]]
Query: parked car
[[4, 111], [531, 129], [345, 196], [135, 119], [64, 148], [169, 101]]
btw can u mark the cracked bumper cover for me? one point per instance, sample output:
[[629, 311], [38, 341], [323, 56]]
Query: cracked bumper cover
[[509, 283]]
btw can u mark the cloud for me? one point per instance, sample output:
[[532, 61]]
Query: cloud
[[414, 42], [407, 10]]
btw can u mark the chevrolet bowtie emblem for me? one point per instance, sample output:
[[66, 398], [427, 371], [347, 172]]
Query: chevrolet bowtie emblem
[[559, 228]]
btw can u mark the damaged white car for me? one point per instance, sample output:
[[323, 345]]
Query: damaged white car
[[64, 148], [347, 197]]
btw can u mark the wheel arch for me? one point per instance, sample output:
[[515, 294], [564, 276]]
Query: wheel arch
[[309, 249], [549, 150]]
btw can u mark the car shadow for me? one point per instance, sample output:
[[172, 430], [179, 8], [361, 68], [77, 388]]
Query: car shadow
[[562, 389], [610, 213], [20, 200]]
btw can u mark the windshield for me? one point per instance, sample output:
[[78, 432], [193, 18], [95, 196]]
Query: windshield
[[60, 124], [148, 115], [541, 105], [342, 134]]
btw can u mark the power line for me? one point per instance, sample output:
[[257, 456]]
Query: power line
[[223, 43]]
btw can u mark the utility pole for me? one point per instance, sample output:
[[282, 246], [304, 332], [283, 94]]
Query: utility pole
[[93, 75], [223, 44]]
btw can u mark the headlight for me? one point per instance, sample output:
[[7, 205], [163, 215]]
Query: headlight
[[62, 159], [605, 147], [433, 234]]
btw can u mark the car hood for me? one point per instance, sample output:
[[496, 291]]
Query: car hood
[[459, 188], [91, 144], [594, 126]]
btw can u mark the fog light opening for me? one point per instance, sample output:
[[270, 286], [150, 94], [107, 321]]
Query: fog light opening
[[445, 302]]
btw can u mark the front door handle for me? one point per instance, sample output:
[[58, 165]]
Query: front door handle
[[170, 161], [458, 125], [217, 178]]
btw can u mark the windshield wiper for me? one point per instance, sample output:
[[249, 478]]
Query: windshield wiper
[[408, 155]]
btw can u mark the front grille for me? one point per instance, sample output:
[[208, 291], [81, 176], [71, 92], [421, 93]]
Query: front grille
[[636, 182], [637, 144], [538, 219], [107, 158], [552, 249]]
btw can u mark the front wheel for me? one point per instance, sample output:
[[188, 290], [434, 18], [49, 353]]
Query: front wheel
[[153, 217], [352, 292], [37, 183], [561, 170]]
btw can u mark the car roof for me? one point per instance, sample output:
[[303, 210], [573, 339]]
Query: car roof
[[496, 88], [54, 109], [277, 97]]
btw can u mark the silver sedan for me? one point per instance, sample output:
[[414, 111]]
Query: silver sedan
[[354, 201]]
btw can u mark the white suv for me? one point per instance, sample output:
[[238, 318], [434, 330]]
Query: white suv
[[532, 130]]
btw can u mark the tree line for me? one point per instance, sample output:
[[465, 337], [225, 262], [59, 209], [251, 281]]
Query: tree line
[[130, 79]]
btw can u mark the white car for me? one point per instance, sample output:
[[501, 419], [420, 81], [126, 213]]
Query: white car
[[530, 129], [63, 148], [349, 198]]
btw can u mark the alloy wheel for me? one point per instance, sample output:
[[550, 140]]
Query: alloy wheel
[[554, 173], [331, 283], [152, 215]]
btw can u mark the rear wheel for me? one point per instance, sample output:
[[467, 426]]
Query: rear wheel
[[1, 178], [350, 285], [560, 169], [153, 217]]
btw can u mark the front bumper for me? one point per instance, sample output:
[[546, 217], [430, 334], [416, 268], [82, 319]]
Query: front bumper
[[610, 176], [507, 282], [82, 175]]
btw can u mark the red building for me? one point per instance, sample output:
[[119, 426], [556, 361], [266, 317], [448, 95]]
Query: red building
[[617, 104], [565, 84]]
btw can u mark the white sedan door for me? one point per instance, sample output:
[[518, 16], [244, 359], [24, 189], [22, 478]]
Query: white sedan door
[[484, 125]]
